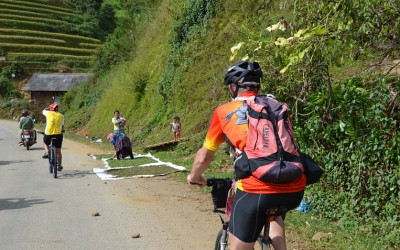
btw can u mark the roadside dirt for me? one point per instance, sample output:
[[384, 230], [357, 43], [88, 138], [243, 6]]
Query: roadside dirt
[[183, 211]]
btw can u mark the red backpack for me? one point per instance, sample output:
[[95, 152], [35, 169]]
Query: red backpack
[[270, 153]]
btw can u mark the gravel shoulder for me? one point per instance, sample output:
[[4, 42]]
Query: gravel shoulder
[[169, 213]]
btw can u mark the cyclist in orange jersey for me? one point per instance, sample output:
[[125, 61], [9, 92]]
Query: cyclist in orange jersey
[[253, 197]]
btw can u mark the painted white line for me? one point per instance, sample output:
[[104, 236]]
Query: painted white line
[[102, 172]]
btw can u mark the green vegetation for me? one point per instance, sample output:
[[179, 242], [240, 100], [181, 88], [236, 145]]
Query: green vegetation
[[316, 56], [46, 36], [336, 63]]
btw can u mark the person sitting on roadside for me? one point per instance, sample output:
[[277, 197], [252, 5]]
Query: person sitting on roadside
[[26, 123], [253, 196], [54, 129]]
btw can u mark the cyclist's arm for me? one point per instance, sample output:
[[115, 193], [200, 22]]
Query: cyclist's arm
[[201, 162]]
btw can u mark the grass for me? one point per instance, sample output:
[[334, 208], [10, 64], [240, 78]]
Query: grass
[[149, 170], [127, 162]]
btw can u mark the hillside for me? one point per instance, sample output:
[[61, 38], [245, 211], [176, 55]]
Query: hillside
[[44, 37], [335, 63]]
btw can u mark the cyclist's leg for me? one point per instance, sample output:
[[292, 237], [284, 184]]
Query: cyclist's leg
[[236, 244], [46, 143], [59, 156], [246, 221], [58, 146], [277, 226], [277, 233]]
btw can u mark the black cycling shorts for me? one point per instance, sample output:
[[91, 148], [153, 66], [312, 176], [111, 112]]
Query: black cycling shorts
[[58, 141], [249, 212]]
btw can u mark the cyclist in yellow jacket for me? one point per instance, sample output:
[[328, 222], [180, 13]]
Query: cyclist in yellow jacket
[[54, 129]]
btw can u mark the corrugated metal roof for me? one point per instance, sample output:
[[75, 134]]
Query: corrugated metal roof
[[54, 82]]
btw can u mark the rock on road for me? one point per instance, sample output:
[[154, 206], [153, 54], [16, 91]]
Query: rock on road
[[40, 212]]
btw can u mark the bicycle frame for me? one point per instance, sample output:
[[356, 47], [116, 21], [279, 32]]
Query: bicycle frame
[[221, 243], [53, 158]]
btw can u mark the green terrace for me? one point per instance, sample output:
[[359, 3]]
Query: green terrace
[[22, 12], [50, 21], [50, 35], [34, 48], [25, 6], [41, 35], [32, 3], [31, 40], [44, 57], [44, 26]]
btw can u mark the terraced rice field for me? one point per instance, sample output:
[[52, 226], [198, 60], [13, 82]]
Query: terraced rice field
[[41, 37]]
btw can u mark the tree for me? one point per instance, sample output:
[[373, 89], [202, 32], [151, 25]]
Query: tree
[[107, 22]]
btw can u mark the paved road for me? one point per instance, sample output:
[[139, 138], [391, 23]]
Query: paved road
[[40, 212]]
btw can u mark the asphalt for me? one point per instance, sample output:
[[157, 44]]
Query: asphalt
[[40, 212]]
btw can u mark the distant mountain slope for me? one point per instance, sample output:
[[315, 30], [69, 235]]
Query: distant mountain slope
[[43, 37]]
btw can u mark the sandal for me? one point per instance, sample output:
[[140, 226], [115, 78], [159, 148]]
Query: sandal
[[45, 155], [59, 168]]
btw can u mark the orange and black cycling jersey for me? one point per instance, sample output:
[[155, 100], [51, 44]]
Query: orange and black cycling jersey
[[229, 120]]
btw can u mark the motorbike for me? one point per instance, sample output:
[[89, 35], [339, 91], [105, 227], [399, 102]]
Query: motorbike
[[27, 139]]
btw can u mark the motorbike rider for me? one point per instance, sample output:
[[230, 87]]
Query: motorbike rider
[[26, 123]]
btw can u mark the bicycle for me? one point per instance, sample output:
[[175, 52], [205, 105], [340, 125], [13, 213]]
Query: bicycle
[[219, 193], [52, 156]]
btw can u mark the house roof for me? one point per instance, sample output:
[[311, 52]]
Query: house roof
[[54, 82]]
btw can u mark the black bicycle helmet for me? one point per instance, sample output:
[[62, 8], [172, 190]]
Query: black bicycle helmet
[[25, 112], [244, 73]]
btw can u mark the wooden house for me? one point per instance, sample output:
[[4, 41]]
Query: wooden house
[[47, 88]]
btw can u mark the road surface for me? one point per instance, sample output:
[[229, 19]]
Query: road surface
[[40, 212]]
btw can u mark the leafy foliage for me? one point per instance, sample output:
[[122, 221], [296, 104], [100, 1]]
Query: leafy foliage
[[96, 17], [351, 126], [7, 86]]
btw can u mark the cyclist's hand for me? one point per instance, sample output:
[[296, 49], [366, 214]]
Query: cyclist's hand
[[200, 180]]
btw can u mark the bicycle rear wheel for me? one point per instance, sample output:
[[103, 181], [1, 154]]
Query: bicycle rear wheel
[[221, 243], [53, 161], [50, 162]]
